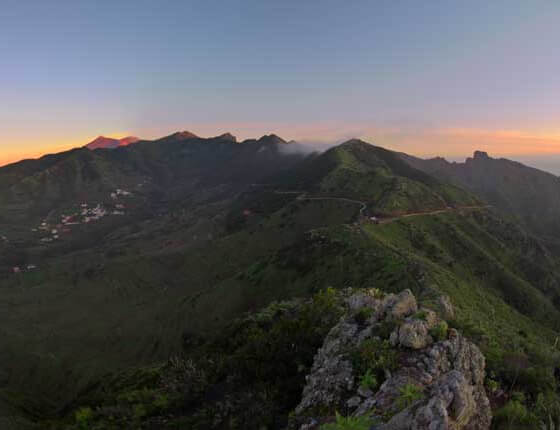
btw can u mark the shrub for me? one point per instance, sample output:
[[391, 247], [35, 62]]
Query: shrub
[[536, 380], [363, 315], [369, 380], [513, 415], [439, 332], [385, 328], [348, 423], [84, 417], [492, 385], [408, 394], [374, 356], [547, 406]]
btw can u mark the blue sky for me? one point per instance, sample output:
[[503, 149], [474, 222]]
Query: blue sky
[[406, 74]]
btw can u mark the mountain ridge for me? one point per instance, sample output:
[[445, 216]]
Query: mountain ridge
[[524, 192], [131, 256]]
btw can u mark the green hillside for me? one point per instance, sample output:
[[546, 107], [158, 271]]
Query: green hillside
[[377, 176], [219, 232], [528, 194]]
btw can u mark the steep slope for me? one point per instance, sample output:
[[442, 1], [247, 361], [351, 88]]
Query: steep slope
[[529, 194], [377, 176], [236, 227], [31, 189]]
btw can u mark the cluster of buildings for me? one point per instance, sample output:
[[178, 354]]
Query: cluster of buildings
[[28, 268], [93, 214], [118, 192], [86, 214]]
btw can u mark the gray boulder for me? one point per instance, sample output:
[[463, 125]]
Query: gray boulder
[[400, 305]]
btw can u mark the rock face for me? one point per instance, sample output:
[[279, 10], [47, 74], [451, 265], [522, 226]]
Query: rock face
[[445, 308], [433, 385]]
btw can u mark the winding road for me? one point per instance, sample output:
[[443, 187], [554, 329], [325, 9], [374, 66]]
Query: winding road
[[302, 195]]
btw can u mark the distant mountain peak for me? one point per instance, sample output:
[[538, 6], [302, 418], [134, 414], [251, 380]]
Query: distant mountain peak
[[227, 136], [354, 142], [110, 143], [185, 134], [480, 155], [271, 138]]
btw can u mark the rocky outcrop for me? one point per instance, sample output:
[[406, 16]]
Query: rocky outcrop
[[429, 380], [445, 308]]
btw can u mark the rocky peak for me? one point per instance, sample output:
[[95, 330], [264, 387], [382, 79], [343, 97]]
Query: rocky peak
[[480, 155], [398, 365], [110, 143], [227, 136], [183, 135], [271, 138]]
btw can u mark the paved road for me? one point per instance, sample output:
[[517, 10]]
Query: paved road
[[386, 220], [302, 195]]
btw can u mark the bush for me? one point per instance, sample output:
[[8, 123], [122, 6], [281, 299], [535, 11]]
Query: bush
[[363, 315], [547, 407], [491, 385], [514, 415], [84, 417], [408, 394], [536, 380], [369, 380], [349, 423], [374, 356], [439, 332]]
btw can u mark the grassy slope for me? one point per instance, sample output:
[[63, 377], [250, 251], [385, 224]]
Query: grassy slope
[[130, 302], [65, 326], [379, 177], [462, 255]]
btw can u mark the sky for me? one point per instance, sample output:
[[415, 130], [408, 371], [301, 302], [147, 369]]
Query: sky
[[428, 78]]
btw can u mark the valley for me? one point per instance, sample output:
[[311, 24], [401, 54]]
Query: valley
[[202, 243]]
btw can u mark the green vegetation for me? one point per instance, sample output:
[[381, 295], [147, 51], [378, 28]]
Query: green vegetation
[[84, 417], [258, 364], [348, 423], [439, 332], [369, 380], [362, 315], [517, 191], [371, 360], [514, 415], [215, 266], [408, 394]]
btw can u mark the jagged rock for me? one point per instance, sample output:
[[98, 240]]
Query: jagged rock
[[361, 300], [331, 378], [400, 305], [365, 392], [449, 374], [430, 317], [450, 404], [413, 333], [445, 307], [354, 402]]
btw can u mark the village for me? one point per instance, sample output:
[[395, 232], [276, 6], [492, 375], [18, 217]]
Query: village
[[84, 213], [81, 214]]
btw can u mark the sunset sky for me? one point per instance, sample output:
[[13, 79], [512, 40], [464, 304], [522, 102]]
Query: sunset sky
[[434, 77]]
